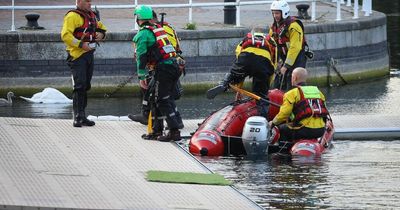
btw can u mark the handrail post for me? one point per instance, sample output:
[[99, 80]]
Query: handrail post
[[12, 17], [136, 25], [348, 3], [190, 12], [238, 13], [355, 16], [368, 8], [338, 14], [313, 6]]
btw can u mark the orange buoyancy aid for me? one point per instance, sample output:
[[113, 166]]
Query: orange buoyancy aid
[[255, 41], [162, 49], [310, 104], [279, 33], [86, 32]]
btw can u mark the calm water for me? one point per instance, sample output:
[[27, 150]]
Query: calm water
[[352, 175], [378, 97]]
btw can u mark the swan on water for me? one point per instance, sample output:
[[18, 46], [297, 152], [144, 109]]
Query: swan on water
[[8, 101], [49, 96]]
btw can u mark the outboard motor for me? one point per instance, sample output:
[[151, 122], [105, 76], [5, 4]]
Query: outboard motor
[[255, 136]]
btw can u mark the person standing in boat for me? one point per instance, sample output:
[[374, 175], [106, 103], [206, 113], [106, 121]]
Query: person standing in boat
[[81, 33], [303, 112], [154, 49], [253, 58], [287, 33]]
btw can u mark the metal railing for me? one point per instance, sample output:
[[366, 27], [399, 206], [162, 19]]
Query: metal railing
[[366, 7]]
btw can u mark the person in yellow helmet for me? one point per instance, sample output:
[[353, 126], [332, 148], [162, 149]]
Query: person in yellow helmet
[[303, 112], [154, 49], [81, 31], [253, 59], [289, 42]]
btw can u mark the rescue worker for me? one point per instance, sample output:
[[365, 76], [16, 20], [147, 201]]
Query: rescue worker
[[174, 39], [303, 112], [253, 59], [154, 49], [287, 33], [80, 33]]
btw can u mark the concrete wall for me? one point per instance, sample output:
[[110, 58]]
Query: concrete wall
[[36, 58]]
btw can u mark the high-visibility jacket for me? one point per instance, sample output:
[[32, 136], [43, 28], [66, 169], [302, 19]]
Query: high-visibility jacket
[[293, 102], [152, 46], [257, 45], [289, 37], [78, 27]]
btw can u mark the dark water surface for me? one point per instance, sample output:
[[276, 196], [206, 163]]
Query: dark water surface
[[352, 175], [377, 97]]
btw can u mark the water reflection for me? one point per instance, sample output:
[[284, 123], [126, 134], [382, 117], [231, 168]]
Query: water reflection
[[352, 175], [377, 97]]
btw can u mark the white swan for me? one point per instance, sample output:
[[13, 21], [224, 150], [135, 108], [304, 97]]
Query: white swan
[[8, 101], [49, 96]]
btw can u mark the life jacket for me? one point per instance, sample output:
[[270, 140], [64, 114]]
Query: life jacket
[[254, 41], [172, 37], [86, 32], [279, 34], [162, 48], [310, 104]]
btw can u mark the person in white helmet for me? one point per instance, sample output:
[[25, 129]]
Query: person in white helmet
[[287, 33]]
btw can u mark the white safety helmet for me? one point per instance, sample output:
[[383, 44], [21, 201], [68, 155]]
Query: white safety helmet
[[282, 6]]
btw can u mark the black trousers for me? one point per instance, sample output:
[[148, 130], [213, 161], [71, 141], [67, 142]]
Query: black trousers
[[284, 82], [260, 70], [166, 78], [255, 66], [290, 134], [82, 72]]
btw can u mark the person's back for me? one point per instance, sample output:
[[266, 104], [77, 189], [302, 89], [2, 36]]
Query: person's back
[[303, 112], [253, 60], [147, 86], [154, 48]]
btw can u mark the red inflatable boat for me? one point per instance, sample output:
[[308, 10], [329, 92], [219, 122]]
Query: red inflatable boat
[[236, 129]]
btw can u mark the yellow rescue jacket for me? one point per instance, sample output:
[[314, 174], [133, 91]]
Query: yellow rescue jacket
[[73, 20], [291, 98]]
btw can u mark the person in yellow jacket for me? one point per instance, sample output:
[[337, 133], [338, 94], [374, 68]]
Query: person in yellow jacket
[[253, 59], [288, 35], [303, 112], [80, 33]]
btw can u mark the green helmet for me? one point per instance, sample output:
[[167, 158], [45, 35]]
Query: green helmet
[[143, 12]]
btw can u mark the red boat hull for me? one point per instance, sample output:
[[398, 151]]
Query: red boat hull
[[220, 133]]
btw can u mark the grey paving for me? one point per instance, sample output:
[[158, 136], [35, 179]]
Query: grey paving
[[47, 163], [118, 20]]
